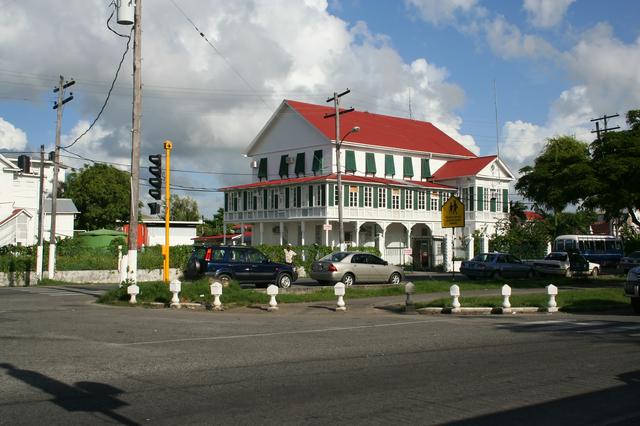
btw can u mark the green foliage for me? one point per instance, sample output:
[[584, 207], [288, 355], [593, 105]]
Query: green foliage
[[214, 226], [561, 175], [571, 223], [102, 194], [182, 209], [527, 240]]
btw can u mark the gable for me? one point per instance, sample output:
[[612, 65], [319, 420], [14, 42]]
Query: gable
[[489, 166]]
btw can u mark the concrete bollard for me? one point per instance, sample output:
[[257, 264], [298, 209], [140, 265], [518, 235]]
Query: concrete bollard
[[454, 291], [339, 290], [175, 287], [506, 293], [216, 292], [272, 291], [409, 289], [552, 291], [133, 290]]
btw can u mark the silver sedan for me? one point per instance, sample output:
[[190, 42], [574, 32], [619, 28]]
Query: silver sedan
[[352, 267]]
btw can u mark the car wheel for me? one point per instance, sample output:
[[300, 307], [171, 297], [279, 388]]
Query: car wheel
[[224, 279], [348, 280], [395, 278], [635, 304], [193, 269], [595, 272], [284, 281]]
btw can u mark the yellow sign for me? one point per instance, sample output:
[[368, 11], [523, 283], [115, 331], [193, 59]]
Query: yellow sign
[[453, 213]]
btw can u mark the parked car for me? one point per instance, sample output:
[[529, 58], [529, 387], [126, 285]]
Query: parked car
[[630, 261], [564, 263], [352, 267], [496, 265], [632, 288], [243, 264]]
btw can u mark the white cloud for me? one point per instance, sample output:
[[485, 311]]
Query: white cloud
[[546, 13], [442, 11], [11, 137], [200, 97], [506, 40]]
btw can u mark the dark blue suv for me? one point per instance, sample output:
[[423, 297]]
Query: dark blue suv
[[240, 263]]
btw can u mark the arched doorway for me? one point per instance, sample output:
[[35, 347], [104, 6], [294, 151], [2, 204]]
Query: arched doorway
[[422, 247]]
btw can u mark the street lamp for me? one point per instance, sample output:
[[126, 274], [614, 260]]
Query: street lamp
[[355, 129]]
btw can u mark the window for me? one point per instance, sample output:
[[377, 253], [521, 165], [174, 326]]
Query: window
[[238, 256], [262, 169], [434, 201], [425, 169], [299, 164], [407, 167], [254, 256], [296, 197], [283, 171], [421, 200], [487, 199], [350, 162], [317, 165], [493, 201], [353, 196], [389, 166], [370, 163], [395, 199], [368, 196], [382, 198], [408, 199]]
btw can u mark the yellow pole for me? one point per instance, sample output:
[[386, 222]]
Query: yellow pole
[[167, 147]]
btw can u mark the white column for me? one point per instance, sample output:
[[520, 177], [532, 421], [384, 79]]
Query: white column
[[224, 233], [470, 243], [447, 255], [302, 236], [484, 244], [381, 240], [408, 259], [358, 225], [242, 233], [326, 233], [261, 233], [281, 232]]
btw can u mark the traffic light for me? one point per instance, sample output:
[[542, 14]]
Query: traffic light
[[154, 208], [156, 180]]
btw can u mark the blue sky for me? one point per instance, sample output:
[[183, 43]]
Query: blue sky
[[556, 64]]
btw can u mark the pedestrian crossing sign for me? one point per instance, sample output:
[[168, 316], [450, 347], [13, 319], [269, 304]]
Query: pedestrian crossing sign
[[453, 213]]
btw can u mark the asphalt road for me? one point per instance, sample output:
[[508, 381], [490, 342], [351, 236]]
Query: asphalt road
[[65, 360]]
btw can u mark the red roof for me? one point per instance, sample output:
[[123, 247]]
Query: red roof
[[220, 237], [529, 215], [13, 214], [458, 168], [382, 130], [333, 177]]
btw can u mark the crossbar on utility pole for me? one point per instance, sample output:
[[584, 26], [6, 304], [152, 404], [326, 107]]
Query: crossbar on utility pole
[[336, 102]]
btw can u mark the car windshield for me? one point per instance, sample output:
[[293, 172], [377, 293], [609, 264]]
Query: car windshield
[[556, 256], [485, 257], [335, 257]]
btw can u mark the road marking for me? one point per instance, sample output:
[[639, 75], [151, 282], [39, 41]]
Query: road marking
[[280, 333]]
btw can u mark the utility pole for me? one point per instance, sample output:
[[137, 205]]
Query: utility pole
[[167, 213], [336, 102], [56, 167], [40, 249], [132, 254], [604, 118]]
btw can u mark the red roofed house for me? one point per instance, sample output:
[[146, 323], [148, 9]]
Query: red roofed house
[[397, 173]]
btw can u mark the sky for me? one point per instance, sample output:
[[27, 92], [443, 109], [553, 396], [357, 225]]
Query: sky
[[542, 67]]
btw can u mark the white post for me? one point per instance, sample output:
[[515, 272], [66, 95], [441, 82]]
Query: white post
[[454, 291], [552, 291], [119, 258], [124, 265], [548, 247], [261, 233], [484, 244], [272, 291], [302, 235], [339, 290], [133, 290], [409, 289], [448, 253], [506, 293], [470, 249], [281, 233], [175, 287], [39, 259], [216, 292]]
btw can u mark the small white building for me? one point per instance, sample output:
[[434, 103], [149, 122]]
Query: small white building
[[19, 201], [180, 232], [396, 175]]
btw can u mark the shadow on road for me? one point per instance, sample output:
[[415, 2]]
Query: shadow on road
[[616, 405], [90, 397]]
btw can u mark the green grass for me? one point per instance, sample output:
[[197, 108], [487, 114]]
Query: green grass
[[588, 300]]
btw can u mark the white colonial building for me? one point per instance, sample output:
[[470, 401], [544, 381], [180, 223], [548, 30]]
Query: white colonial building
[[396, 174], [19, 201]]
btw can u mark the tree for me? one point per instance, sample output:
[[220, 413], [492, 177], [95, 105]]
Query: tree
[[561, 175], [214, 226], [102, 193], [516, 212], [616, 165], [182, 208]]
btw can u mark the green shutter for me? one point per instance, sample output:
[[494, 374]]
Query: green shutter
[[375, 197], [350, 161], [255, 201], [361, 196], [226, 201], [389, 197], [284, 166], [332, 195], [389, 166], [492, 204], [472, 200], [425, 168], [300, 164], [323, 194], [370, 163], [345, 195], [415, 200], [505, 200], [244, 200], [262, 169], [402, 198], [299, 196], [310, 195], [276, 200], [480, 199], [317, 164], [264, 199], [427, 198], [407, 167], [286, 198]]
